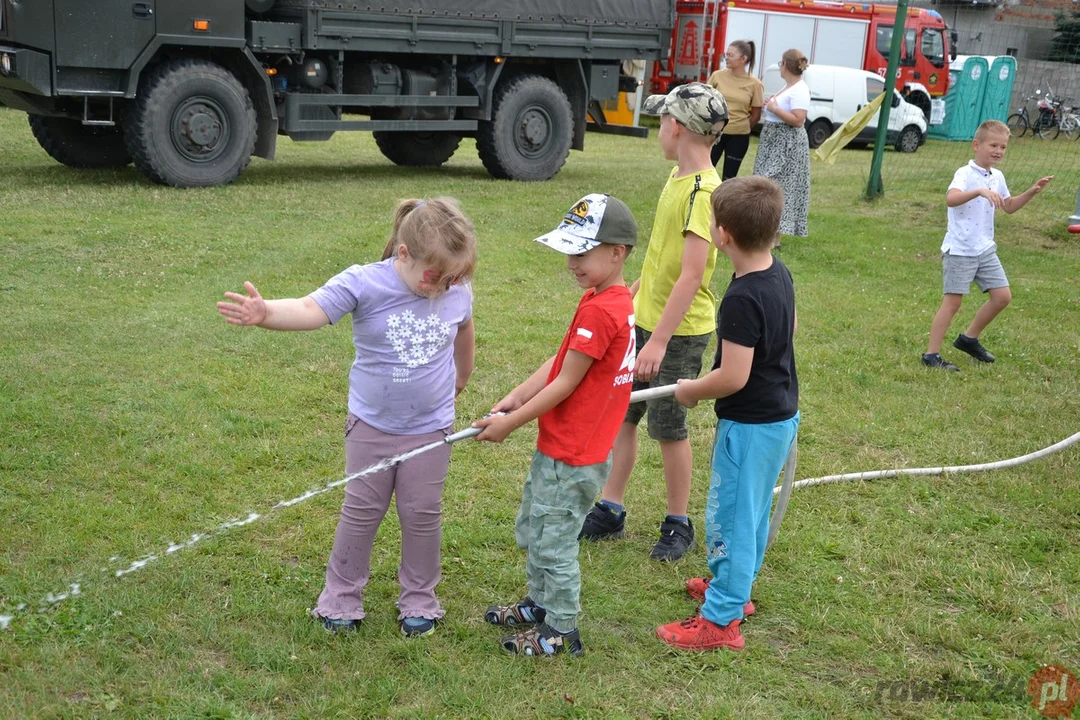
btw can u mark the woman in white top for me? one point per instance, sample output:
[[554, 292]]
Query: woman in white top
[[783, 151]]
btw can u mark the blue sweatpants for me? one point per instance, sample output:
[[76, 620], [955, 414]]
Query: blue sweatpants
[[747, 460]]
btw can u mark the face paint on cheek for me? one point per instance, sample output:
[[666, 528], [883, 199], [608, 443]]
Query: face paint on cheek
[[430, 279]]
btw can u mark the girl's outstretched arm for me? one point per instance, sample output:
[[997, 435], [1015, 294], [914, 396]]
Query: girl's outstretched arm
[[286, 314]]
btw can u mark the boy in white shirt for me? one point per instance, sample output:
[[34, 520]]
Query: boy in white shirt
[[969, 252]]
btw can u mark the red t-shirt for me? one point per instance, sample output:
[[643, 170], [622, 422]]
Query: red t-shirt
[[581, 429]]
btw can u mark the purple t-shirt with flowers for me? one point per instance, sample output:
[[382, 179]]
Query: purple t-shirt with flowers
[[402, 381]]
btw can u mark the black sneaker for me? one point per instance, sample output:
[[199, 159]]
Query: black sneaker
[[972, 347], [417, 627], [603, 524], [675, 540], [934, 360], [338, 624]]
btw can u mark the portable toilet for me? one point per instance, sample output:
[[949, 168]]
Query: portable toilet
[[941, 130], [970, 88], [999, 86]]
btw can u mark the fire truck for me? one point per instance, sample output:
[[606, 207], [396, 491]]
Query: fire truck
[[849, 34]]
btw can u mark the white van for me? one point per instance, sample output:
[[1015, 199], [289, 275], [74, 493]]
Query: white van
[[837, 93]]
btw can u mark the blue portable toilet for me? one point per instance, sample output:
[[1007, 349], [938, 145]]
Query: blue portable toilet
[[969, 86], [941, 130], [999, 86]]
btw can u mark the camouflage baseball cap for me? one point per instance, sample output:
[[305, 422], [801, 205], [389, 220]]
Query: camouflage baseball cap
[[700, 107], [594, 219]]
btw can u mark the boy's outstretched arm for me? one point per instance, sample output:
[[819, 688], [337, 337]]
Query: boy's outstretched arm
[[695, 258], [497, 427], [1016, 202], [464, 354], [726, 380], [286, 314]]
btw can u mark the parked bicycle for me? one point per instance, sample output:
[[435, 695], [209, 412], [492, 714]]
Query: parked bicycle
[[1020, 121], [1069, 122], [1056, 117], [1047, 122]]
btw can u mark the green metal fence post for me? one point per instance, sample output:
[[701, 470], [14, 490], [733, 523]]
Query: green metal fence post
[[874, 186]]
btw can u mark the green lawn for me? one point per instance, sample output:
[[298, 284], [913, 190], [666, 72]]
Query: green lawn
[[131, 417]]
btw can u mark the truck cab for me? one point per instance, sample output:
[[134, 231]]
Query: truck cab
[[923, 73]]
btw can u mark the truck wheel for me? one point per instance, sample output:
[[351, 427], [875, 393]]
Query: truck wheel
[[819, 132], [80, 146], [909, 139], [417, 149], [529, 135], [192, 125]]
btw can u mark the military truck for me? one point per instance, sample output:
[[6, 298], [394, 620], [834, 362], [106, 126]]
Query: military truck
[[190, 90]]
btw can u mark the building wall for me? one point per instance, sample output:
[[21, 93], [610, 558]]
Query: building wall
[[1023, 28], [1064, 78]]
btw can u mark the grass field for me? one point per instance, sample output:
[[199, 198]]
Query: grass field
[[131, 417]]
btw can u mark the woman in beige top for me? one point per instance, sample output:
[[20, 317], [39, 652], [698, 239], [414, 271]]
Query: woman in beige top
[[744, 95]]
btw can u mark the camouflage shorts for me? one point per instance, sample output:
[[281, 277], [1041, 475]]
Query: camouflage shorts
[[667, 418], [554, 503]]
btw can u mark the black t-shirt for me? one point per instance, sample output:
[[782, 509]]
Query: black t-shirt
[[758, 311]]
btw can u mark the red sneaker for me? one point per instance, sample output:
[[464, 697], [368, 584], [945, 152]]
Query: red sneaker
[[697, 633], [695, 587]]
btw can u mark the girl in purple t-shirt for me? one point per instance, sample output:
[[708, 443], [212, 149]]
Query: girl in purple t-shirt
[[413, 332]]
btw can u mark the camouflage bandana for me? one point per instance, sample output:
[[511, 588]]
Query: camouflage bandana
[[700, 107]]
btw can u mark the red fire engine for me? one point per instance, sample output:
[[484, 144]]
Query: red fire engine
[[829, 33]]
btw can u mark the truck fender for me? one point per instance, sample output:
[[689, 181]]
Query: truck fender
[[917, 94], [571, 78], [915, 87], [239, 60], [262, 96]]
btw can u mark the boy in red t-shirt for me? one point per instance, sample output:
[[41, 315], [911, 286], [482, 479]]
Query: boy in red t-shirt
[[580, 397]]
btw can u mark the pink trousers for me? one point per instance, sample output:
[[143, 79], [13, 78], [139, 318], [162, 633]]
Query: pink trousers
[[417, 485]]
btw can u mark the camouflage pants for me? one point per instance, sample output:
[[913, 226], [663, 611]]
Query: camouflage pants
[[554, 503]]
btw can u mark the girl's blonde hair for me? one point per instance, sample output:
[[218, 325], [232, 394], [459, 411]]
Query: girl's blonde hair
[[436, 233], [795, 61]]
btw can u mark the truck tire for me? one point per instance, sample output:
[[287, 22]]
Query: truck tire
[[531, 128], [818, 132], [192, 125], [909, 139], [80, 146], [417, 149]]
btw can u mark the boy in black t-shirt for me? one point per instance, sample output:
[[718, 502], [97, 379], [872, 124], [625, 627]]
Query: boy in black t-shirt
[[757, 405]]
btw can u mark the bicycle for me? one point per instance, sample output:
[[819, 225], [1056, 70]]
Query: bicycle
[[1021, 121], [1069, 122], [1056, 117]]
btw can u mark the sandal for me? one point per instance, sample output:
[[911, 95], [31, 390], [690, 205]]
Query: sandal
[[522, 612], [543, 640]]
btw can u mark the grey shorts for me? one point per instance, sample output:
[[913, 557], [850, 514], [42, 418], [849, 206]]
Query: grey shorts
[[959, 271], [667, 418]]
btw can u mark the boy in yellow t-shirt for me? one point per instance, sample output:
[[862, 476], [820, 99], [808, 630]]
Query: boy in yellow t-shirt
[[674, 312]]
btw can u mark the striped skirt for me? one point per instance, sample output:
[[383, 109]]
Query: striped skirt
[[783, 155]]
